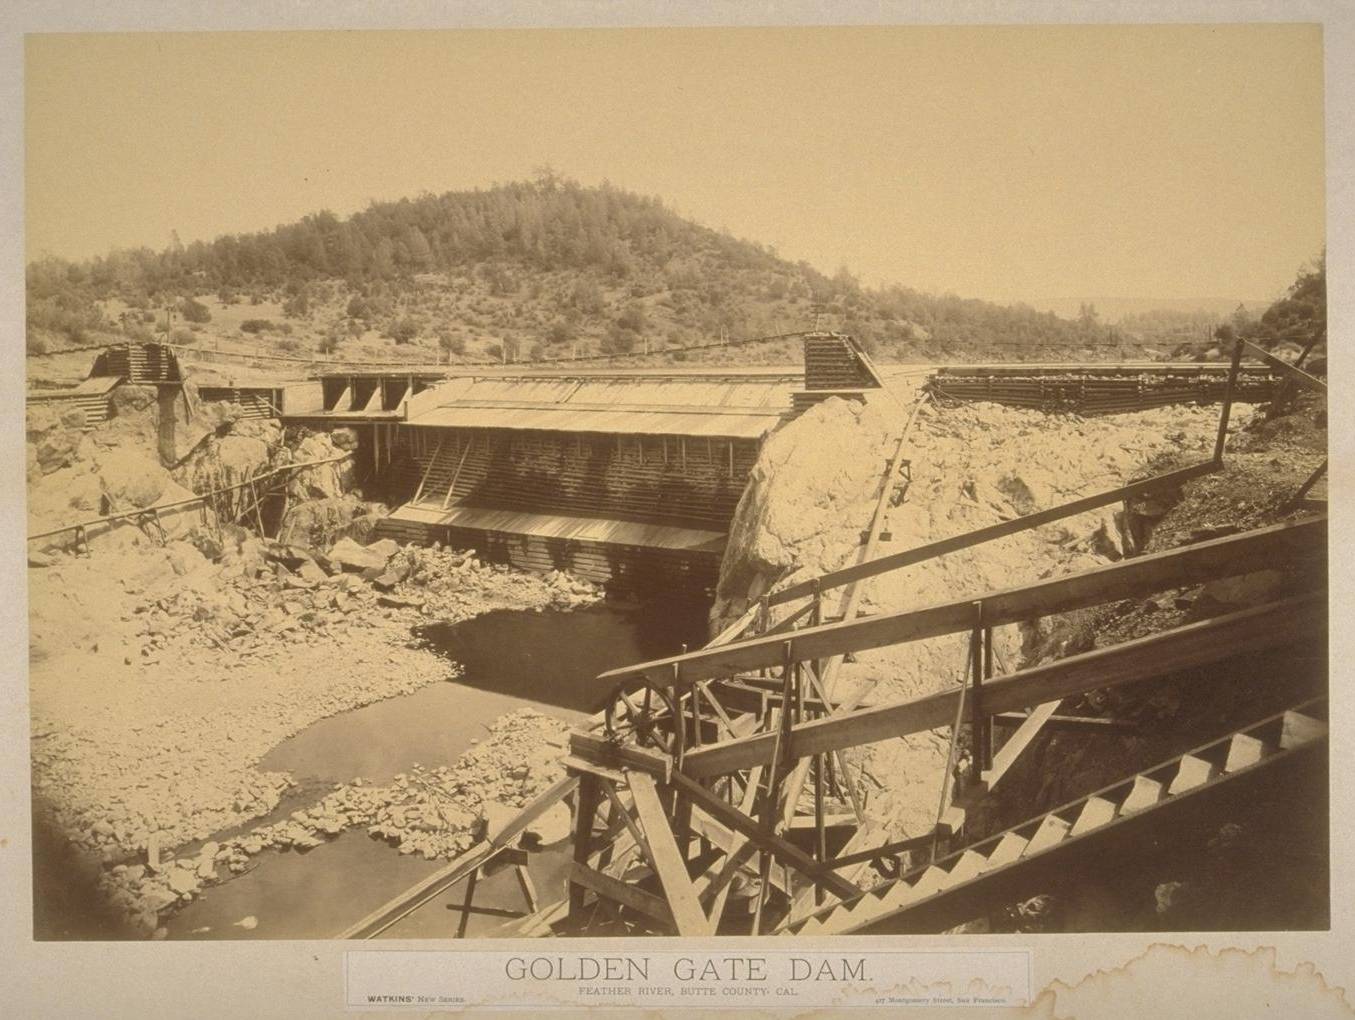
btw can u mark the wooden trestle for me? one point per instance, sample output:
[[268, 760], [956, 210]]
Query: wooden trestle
[[687, 816]]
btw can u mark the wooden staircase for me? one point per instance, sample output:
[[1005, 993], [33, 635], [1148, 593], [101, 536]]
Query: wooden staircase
[[835, 362], [94, 407], [1174, 784]]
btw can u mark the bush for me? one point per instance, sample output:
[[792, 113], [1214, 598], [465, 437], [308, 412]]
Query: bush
[[404, 330], [256, 326], [182, 336], [297, 306], [559, 332], [633, 318], [618, 341], [358, 307], [194, 311]]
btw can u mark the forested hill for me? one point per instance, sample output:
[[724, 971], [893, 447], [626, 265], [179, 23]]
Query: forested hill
[[528, 270]]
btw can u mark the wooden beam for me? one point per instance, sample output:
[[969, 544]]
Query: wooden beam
[[688, 916], [774, 845], [1247, 631], [444, 878], [891, 849], [1278, 546], [1097, 724], [625, 893], [1007, 754], [585, 809], [624, 813], [884, 564], [595, 747], [1297, 374]]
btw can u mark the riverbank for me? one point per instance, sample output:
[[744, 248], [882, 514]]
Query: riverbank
[[161, 677]]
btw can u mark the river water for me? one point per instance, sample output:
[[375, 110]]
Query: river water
[[510, 660]]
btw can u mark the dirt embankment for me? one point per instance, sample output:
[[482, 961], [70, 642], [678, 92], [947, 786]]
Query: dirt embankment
[[813, 491]]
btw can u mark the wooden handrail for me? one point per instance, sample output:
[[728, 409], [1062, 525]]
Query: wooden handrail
[[132, 514], [908, 557], [1244, 632], [1278, 545]]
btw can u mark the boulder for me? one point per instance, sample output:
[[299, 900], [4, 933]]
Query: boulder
[[348, 555], [129, 480]]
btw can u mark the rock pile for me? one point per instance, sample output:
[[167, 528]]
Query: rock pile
[[265, 590]]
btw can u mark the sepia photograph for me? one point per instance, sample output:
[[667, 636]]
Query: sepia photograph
[[522, 487]]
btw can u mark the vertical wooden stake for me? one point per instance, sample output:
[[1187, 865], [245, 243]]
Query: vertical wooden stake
[[986, 741], [466, 903], [975, 705], [586, 806]]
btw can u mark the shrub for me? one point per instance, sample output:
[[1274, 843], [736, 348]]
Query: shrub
[[256, 326], [194, 311], [403, 331]]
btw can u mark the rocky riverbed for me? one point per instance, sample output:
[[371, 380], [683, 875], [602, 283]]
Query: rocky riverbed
[[162, 675]]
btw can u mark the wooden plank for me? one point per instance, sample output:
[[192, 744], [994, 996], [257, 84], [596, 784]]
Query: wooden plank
[[595, 747], [1249, 630], [688, 916], [1094, 723], [884, 564], [774, 845], [411, 899], [625, 893], [623, 813], [1016, 744], [1295, 373], [1278, 546]]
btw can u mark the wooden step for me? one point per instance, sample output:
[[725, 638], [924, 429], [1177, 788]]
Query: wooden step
[[1095, 813], [1298, 729], [933, 880], [1008, 849], [1243, 751], [1051, 831], [952, 821], [970, 865], [1192, 772], [1144, 794]]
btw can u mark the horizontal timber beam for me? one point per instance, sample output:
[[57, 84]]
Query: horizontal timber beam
[[1277, 546], [1247, 631], [884, 564]]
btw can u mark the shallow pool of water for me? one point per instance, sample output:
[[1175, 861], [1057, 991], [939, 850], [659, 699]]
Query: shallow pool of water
[[548, 661]]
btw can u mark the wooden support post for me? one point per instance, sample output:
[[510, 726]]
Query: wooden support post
[[528, 887], [976, 694], [586, 806], [1227, 410], [986, 741], [820, 836], [467, 903]]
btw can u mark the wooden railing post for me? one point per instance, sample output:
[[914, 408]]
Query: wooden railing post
[[976, 695], [1227, 410]]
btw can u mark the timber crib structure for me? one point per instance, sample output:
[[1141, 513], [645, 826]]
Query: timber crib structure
[[714, 792]]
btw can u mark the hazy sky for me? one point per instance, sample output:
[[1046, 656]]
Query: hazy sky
[[1003, 163]]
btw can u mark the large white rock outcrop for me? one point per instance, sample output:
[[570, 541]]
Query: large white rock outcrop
[[814, 488]]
